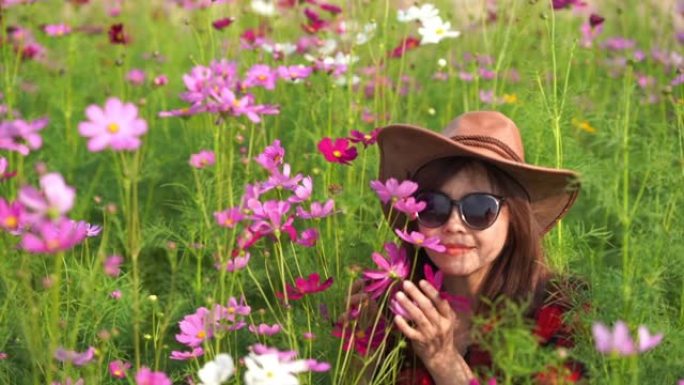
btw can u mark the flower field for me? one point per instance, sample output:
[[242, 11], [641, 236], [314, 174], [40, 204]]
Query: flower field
[[189, 188]]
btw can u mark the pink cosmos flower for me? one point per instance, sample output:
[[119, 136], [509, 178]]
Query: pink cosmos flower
[[392, 190], [76, 358], [195, 328], [118, 369], [362, 341], [260, 75], [11, 215], [116, 126], [436, 279], [317, 366], [268, 217], [222, 23], [410, 207], [264, 329], [92, 230], [136, 76], [308, 237], [160, 80], [184, 356], [272, 157], [112, 265], [57, 30], [368, 139], [302, 192], [236, 263], [229, 218], [282, 180], [116, 294], [304, 286], [53, 237], [619, 340], [202, 159], [418, 239], [54, 200], [294, 73], [21, 136], [317, 210], [147, 377], [337, 152], [392, 270]]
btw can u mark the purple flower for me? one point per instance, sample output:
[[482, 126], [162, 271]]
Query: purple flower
[[260, 75], [410, 207], [302, 192], [118, 368], [53, 237], [269, 216], [619, 340], [304, 286], [11, 215], [394, 269], [195, 328], [53, 202], [112, 265], [57, 30], [236, 263], [294, 73], [317, 366], [318, 210], [393, 190], [282, 180], [418, 239], [229, 218], [21, 136], [308, 237], [92, 230], [264, 329], [147, 377], [368, 139], [136, 76], [117, 126], [202, 159], [272, 157], [76, 358], [618, 43], [160, 80], [178, 355]]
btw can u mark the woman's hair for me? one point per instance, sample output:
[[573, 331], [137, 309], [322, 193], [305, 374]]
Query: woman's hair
[[520, 271]]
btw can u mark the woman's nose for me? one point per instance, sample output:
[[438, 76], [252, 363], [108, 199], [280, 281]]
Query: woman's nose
[[454, 224]]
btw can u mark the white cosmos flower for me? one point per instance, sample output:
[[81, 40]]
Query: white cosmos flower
[[364, 36], [267, 369], [263, 7], [217, 371], [425, 12], [434, 30]]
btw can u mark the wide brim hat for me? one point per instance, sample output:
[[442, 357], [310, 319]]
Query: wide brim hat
[[486, 135]]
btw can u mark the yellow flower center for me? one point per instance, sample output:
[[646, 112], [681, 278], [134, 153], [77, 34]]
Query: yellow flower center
[[261, 78], [118, 373], [11, 222], [228, 222], [201, 334], [360, 334], [440, 31], [337, 153], [113, 128], [231, 310], [367, 137], [52, 244]]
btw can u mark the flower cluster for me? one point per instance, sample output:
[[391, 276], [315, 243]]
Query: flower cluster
[[219, 89], [40, 217], [432, 28], [399, 195], [204, 324]]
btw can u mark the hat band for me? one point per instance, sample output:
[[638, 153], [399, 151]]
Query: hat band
[[488, 143]]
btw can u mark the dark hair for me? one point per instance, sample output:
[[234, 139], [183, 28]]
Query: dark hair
[[520, 271]]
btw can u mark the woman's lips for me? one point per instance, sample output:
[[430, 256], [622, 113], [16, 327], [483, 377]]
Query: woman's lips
[[456, 249]]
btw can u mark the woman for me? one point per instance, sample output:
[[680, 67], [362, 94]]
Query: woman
[[489, 209]]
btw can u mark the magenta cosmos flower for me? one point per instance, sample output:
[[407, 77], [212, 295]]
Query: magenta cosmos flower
[[392, 190], [202, 159], [147, 377], [118, 369], [53, 237], [116, 126], [418, 239], [304, 286], [337, 152], [394, 269]]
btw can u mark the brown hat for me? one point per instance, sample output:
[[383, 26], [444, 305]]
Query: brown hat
[[487, 135]]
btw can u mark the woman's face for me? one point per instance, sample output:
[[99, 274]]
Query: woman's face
[[468, 251]]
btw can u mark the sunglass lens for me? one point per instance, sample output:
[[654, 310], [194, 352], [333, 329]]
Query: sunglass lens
[[480, 210], [437, 209]]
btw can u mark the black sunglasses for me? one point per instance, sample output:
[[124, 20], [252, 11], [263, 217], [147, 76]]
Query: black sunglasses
[[477, 210]]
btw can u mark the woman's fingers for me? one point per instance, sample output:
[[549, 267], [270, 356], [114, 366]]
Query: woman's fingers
[[405, 328], [424, 303], [441, 304]]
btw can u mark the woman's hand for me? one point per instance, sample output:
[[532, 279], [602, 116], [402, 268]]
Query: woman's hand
[[432, 332]]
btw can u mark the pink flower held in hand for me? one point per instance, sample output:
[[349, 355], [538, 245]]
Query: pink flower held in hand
[[202, 159], [418, 239], [337, 152], [393, 190], [112, 265], [147, 377], [116, 126], [118, 368], [394, 269]]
